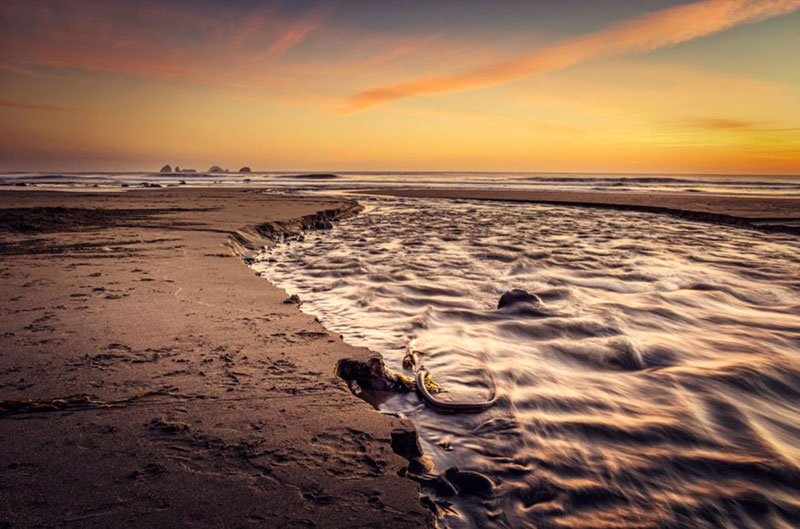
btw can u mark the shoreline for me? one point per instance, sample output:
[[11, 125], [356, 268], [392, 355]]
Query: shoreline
[[202, 395], [771, 214]]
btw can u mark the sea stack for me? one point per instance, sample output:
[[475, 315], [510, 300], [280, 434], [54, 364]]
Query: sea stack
[[216, 169], [166, 169], [244, 169]]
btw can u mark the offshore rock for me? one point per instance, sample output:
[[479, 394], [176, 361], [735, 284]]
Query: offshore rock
[[166, 169]]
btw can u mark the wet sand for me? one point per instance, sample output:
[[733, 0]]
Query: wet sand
[[767, 213], [201, 398]]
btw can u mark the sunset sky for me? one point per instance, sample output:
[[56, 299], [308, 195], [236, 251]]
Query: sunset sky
[[708, 86]]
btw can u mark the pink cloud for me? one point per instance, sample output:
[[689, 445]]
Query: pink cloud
[[159, 41], [289, 38], [33, 106], [643, 34]]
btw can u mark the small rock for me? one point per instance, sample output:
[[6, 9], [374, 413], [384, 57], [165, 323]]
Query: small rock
[[512, 297], [294, 299]]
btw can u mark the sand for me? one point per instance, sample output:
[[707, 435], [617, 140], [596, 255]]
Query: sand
[[225, 410], [768, 213]]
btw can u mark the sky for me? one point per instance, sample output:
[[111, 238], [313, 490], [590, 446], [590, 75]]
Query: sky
[[635, 86]]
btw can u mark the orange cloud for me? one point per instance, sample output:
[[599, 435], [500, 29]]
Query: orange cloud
[[713, 123], [643, 34], [720, 124]]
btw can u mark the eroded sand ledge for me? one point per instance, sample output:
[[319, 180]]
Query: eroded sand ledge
[[246, 423]]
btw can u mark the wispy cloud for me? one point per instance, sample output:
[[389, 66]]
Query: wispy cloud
[[150, 40], [643, 34], [18, 70], [292, 35], [21, 105], [722, 124]]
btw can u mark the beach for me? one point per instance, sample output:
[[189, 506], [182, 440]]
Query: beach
[[333, 265], [150, 377], [190, 393]]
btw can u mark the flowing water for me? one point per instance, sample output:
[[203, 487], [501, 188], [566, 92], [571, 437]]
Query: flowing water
[[658, 384]]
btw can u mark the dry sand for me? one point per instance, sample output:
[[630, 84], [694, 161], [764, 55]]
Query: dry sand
[[767, 213], [240, 419]]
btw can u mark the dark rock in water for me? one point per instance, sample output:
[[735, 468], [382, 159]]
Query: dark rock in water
[[244, 169], [167, 169], [182, 183], [216, 169], [294, 299], [512, 297], [468, 482], [443, 487]]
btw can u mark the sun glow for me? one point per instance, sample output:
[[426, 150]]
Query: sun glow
[[707, 86]]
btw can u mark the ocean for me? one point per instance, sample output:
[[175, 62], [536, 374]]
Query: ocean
[[668, 183]]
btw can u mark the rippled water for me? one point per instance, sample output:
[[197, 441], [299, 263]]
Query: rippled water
[[658, 386], [744, 185]]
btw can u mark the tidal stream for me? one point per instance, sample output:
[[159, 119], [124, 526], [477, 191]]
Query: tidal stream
[[657, 385]]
